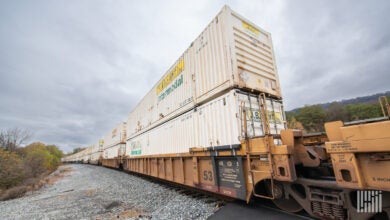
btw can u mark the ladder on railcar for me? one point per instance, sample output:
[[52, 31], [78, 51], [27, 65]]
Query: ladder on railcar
[[384, 103], [264, 155]]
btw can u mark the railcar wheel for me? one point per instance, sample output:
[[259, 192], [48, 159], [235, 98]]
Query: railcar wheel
[[286, 204]]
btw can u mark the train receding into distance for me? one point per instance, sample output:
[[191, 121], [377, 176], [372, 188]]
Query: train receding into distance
[[215, 121]]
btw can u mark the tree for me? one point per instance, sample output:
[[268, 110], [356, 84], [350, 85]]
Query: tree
[[292, 123], [40, 158], [335, 112], [363, 111], [312, 118], [11, 169], [39, 161], [78, 149], [57, 155], [12, 138]]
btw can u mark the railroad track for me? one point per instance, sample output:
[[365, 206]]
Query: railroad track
[[267, 204], [208, 197], [246, 211], [253, 210]]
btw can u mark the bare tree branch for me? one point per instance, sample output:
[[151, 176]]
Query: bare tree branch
[[12, 138]]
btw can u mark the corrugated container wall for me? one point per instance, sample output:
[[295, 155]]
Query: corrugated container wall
[[230, 53], [96, 153], [78, 156], [113, 151], [216, 123], [116, 136], [114, 141]]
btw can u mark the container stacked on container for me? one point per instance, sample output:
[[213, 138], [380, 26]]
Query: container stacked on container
[[114, 142], [96, 152], [199, 100]]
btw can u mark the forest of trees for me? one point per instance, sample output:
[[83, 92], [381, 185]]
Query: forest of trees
[[22, 168], [311, 118]]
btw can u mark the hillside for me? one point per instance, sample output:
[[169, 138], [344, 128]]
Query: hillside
[[313, 117], [369, 99]]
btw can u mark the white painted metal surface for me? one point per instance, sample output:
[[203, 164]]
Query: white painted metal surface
[[113, 141], [113, 151], [89, 154], [230, 52], [218, 122], [116, 136], [86, 154], [177, 112], [96, 152]]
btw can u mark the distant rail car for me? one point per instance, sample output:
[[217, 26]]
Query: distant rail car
[[215, 121]]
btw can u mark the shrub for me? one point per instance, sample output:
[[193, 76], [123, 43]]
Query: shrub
[[11, 169], [15, 192], [23, 168], [39, 158], [38, 161], [57, 155], [312, 118]]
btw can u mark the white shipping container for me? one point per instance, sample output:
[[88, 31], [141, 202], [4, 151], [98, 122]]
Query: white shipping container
[[116, 136], [219, 122], [96, 152], [230, 53], [83, 155], [87, 154], [113, 151], [79, 155]]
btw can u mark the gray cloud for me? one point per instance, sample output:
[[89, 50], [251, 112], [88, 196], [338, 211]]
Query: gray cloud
[[70, 71], [335, 50]]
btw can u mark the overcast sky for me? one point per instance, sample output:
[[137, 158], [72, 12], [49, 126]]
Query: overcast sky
[[71, 70]]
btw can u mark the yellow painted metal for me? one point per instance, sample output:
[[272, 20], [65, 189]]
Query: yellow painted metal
[[360, 154], [384, 103], [266, 161], [306, 150], [274, 163]]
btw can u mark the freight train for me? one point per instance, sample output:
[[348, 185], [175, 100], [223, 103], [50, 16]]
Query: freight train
[[215, 121]]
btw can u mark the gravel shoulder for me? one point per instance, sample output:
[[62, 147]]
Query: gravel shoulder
[[92, 192]]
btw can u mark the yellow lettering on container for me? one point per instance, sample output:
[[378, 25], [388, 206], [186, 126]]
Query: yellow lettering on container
[[250, 28], [175, 71]]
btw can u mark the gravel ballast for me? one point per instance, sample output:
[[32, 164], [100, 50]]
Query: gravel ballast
[[92, 192]]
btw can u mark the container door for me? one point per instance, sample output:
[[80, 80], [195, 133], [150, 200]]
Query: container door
[[253, 120]]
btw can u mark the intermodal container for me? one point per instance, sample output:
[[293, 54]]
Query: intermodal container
[[217, 123], [114, 141], [231, 52]]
